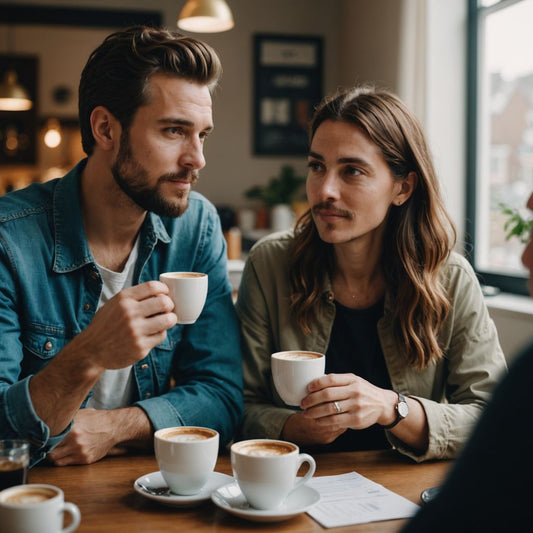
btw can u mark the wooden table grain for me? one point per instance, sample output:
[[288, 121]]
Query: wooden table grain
[[104, 493]]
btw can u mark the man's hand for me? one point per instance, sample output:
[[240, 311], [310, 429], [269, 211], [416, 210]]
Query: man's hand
[[96, 433], [121, 333], [127, 327]]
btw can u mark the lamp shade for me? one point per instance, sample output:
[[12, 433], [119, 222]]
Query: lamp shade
[[205, 16], [13, 97]]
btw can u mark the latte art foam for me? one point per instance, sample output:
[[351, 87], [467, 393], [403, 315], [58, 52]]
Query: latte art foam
[[266, 450], [188, 435], [300, 356], [29, 496]]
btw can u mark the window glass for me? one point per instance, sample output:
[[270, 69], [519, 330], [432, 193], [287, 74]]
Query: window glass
[[504, 92]]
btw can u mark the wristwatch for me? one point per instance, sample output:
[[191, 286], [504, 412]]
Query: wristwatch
[[402, 410]]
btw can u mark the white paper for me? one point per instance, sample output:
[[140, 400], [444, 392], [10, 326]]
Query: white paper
[[350, 499]]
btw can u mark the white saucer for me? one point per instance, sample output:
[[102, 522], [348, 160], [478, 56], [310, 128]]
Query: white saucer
[[155, 479], [231, 499]]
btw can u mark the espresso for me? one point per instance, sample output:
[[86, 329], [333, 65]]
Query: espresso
[[265, 449], [12, 473], [298, 356], [188, 434], [28, 496]]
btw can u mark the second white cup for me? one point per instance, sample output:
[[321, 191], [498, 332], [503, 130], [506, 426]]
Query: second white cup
[[293, 370], [188, 291], [266, 470]]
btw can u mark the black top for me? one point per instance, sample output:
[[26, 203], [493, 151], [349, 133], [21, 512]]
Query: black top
[[355, 348]]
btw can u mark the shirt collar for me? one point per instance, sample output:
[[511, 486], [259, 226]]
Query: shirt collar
[[71, 247]]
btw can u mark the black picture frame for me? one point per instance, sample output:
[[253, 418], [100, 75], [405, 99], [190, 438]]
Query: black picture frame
[[287, 87]]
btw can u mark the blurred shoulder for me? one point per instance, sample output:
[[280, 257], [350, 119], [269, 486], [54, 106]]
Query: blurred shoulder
[[274, 247]]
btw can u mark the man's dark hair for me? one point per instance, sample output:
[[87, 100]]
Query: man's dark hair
[[118, 71]]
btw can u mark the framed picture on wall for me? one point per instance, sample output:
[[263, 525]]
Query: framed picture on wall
[[287, 86]]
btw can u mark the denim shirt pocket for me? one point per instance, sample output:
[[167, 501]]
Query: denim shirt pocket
[[41, 343]]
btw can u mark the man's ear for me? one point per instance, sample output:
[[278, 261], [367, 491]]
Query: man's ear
[[105, 128], [406, 188]]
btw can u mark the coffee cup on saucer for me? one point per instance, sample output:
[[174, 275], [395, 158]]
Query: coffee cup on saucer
[[186, 456], [293, 370], [36, 508], [266, 470]]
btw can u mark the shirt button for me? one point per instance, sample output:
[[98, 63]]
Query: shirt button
[[330, 296], [86, 307], [144, 366], [48, 346], [94, 275], [147, 395]]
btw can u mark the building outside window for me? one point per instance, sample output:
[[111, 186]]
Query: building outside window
[[500, 167]]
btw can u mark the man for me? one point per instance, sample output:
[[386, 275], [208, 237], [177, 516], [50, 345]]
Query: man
[[489, 488], [91, 358]]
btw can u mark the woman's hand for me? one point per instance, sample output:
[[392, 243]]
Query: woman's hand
[[348, 401]]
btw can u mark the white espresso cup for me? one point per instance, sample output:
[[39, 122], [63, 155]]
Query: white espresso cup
[[293, 370], [186, 456], [266, 470], [36, 508], [188, 291]]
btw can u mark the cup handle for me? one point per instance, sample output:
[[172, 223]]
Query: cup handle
[[73, 510], [304, 458]]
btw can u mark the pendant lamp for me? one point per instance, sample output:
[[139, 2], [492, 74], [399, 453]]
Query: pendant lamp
[[13, 96], [205, 16]]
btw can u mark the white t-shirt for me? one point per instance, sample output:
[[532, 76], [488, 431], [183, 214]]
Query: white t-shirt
[[114, 389]]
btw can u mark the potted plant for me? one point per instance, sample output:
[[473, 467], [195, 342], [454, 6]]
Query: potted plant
[[277, 195], [516, 225]]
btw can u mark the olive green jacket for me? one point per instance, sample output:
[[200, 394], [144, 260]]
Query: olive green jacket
[[452, 392]]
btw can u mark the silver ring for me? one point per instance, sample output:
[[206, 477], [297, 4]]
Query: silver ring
[[337, 407]]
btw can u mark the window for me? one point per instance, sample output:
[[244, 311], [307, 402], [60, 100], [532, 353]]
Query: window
[[500, 153]]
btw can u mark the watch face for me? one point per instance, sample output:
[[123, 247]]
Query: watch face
[[403, 409]]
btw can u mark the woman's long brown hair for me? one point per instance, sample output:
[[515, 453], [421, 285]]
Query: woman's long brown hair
[[419, 234]]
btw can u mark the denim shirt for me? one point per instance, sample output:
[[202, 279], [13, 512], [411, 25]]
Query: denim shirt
[[49, 291]]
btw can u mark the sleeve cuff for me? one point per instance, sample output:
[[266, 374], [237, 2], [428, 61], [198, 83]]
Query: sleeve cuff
[[25, 422], [161, 412]]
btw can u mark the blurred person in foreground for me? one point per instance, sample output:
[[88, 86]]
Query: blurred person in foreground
[[91, 358], [489, 486], [368, 277]]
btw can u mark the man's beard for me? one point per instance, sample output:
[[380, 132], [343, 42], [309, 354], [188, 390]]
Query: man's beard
[[133, 179]]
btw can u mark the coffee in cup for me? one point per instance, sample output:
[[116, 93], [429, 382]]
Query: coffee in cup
[[186, 456], [188, 291], [266, 470], [14, 462], [293, 370], [35, 508]]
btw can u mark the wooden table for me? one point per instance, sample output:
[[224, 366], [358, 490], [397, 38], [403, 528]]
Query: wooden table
[[107, 501]]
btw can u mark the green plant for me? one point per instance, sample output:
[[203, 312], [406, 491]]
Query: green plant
[[279, 190], [516, 225]]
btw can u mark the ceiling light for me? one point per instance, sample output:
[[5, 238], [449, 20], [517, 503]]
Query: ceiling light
[[13, 97], [205, 16]]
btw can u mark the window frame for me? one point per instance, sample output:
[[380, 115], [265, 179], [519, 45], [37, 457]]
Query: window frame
[[506, 283]]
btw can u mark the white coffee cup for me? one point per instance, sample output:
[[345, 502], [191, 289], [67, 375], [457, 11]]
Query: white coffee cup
[[186, 456], [188, 291], [293, 370], [266, 470], [36, 508]]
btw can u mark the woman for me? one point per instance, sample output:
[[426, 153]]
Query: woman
[[369, 278]]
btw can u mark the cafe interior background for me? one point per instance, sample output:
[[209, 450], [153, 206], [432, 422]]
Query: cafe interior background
[[292, 48]]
